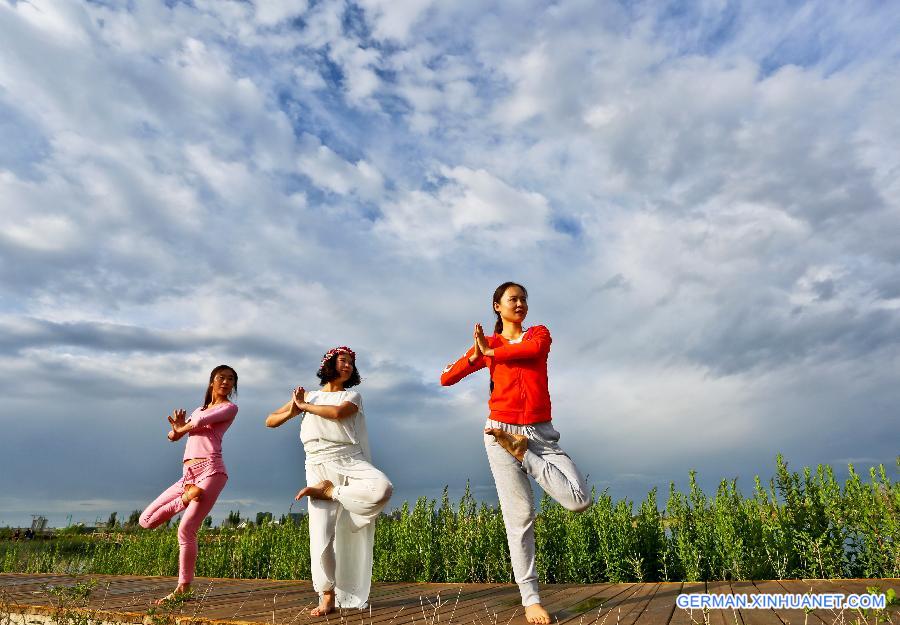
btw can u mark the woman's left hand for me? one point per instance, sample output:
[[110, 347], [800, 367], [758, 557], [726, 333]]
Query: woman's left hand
[[482, 342], [299, 397]]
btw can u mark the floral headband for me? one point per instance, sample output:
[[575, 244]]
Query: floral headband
[[343, 349]]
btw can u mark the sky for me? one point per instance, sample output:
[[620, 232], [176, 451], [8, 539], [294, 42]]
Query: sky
[[702, 198]]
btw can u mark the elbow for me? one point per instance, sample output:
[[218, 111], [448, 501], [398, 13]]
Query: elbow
[[271, 422]]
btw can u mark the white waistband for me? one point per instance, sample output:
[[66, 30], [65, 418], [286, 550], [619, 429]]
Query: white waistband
[[345, 451]]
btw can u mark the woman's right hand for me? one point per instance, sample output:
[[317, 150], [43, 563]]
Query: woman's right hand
[[482, 347], [177, 421], [476, 348]]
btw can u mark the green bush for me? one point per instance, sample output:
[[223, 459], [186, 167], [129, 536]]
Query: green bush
[[802, 524]]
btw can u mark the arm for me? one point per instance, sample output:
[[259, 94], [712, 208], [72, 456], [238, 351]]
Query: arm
[[283, 414], [346, 409], [470, 363], [215, 414], [535, 346]]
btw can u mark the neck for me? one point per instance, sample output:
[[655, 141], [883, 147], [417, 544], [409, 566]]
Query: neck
[[511, 329], [218, 399], [333, 386]]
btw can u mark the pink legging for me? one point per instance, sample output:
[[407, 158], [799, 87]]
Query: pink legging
[[211, 477]]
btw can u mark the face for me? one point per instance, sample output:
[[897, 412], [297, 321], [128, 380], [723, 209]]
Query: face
[[513, 305], [343, 364], [223, 382]]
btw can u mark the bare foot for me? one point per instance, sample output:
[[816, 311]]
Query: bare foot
[[181, 593], [191, 493], [535, 613], [326, 603], [322, 490], [515, 444]]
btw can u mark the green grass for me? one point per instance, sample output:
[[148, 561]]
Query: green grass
[[800, 524]]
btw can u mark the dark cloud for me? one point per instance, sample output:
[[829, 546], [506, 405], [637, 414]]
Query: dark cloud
[[755, 339]]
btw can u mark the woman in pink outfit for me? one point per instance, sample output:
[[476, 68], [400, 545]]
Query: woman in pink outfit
[[204, 473]]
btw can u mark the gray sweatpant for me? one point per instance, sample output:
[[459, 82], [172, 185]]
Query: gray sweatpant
[[553, 470]]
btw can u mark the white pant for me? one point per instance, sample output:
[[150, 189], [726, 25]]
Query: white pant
[[553, 470], [342, 530]]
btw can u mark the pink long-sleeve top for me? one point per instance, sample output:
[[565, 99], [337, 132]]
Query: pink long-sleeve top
[[205, 440]]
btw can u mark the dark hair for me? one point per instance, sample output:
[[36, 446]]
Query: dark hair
[[498, 294], [212, 374], [328, 371]]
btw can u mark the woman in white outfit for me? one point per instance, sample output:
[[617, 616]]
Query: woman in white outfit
[[347, 492]]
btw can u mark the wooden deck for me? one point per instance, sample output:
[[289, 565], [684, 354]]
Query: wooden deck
[[127, 599]]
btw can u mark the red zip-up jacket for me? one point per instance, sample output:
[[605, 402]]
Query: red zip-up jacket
[[519, 372]]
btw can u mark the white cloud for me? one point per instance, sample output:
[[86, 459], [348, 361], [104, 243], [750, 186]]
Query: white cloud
[[469, 208], [329, 171], [270, 12], [393, 19]]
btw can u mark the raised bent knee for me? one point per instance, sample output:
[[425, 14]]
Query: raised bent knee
[[146, 520], [579, 502], [384, 491]]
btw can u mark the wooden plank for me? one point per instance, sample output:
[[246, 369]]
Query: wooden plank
[[643, 598], [662, 606], [626, 605], [605, 596], [687, 617], [482, 605], [796, 586], [227, 596], [383, 601], [724, 616], [754, 616], [857, 586], [736, 618], [614, 598], [502, 605], [795, 615], [232, 603], [577, 601]]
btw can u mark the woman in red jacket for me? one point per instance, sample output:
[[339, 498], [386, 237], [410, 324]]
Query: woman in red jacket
[[518, 436]]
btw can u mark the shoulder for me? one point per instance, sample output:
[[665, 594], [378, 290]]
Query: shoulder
[[538, 331], [227, 407]]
